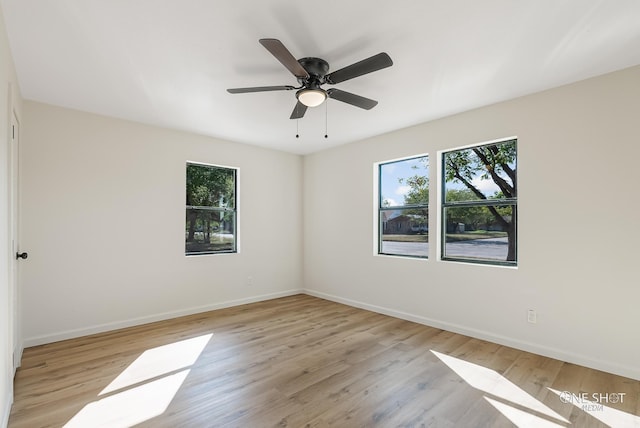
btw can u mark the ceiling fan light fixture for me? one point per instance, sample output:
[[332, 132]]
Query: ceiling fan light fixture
[[311, 97], [311, 74]]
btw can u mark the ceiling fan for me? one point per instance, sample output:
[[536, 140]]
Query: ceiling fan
[[312, 74]]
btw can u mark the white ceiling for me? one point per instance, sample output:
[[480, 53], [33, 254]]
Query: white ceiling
[[169, 62]]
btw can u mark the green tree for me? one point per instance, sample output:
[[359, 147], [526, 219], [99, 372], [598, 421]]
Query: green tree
[[207, 187], [472, 217], [495, 162], [418, 184], [418, 193]]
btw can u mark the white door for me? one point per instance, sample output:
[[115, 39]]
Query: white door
[[14, 213]]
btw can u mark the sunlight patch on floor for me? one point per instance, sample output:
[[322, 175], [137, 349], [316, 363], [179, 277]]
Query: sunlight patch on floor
[[144, 389], [522, 418], [495, 384], [130, 407], [160, 361]]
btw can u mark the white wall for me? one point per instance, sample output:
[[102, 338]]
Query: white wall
[[9, 101], [578, 157], [103, 220]]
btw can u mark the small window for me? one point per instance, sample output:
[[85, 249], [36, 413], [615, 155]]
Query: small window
[[403, 215], [480, 204], [211, 216]]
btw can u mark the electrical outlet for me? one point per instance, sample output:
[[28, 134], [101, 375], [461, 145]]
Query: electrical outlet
[[532, 316], [249, 281]]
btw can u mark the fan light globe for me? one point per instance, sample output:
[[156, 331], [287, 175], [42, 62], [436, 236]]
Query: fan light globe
[[312, 97]]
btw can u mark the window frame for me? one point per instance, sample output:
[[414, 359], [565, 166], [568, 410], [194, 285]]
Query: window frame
[[379, 208], [234, 210], [512, 202]]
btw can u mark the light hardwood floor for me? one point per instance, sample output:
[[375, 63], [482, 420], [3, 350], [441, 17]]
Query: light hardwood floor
[[301, 361]]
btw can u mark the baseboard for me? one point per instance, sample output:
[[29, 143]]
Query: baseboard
[[558, 354], [71, 334], [17, 358]]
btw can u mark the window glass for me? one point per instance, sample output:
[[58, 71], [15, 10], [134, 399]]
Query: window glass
[[210, 225], [479, 213], [403, 207]]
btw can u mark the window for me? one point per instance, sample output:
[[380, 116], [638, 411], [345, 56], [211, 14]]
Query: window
[[211, 210], [480, 204], [403, 216]]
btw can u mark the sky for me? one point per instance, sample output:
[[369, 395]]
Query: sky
[[393, 191]]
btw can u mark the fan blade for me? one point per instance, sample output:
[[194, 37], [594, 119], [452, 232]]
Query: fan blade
[[260, 89], [283, 55], [353, 99], [369, 65], [298, 111]]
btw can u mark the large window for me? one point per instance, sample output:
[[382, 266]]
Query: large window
[[480, 204], [211, 210], [403, 216]]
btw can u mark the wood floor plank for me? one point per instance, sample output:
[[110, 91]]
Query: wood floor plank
[[301, 361]]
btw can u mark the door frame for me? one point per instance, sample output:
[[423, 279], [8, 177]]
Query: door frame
[[15, 332]]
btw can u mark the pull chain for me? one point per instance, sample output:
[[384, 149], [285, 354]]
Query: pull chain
[[326, 115], [326, 121]]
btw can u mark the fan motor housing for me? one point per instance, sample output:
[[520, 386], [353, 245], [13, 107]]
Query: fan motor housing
[[316, 67]]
